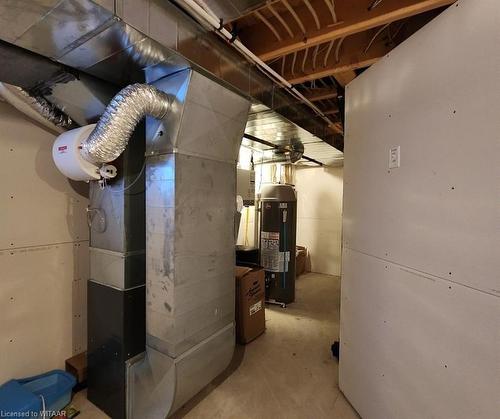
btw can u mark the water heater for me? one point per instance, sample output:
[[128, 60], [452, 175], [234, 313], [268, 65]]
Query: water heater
[[277, 241]]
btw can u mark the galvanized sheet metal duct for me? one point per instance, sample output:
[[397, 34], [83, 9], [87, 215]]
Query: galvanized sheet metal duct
[[112, 133]]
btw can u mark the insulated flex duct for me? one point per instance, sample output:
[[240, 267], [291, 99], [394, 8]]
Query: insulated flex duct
[[111, 134]]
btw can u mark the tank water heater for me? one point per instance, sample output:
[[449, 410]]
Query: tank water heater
[[277, 241]]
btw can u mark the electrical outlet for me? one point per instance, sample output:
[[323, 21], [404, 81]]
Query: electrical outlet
[[394, 157]]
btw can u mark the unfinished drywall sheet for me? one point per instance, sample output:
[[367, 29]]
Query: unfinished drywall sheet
[[319, 216], [43, 253], [420, 287]]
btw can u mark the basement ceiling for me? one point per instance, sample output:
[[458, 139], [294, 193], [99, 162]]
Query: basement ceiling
[[270, 126], [321, 45], [317, 45]]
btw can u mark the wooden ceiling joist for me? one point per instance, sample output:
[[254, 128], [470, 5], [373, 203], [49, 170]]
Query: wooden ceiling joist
[[321, 93], [353, 57], [318, 44], [388, 11], [345, 77], [357, 51], [331, 112]]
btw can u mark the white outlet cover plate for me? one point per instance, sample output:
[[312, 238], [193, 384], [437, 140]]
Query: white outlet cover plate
[[394, 157]]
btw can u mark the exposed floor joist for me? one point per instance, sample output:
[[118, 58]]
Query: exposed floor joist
[[359, 20], [321, 93], [321, 45], [345, 77], [352, 59]]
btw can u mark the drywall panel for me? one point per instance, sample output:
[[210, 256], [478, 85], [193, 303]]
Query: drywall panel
[[319, 216], [32, 190], [436, 96], [43, 253], [416, 346], [420, 286], [41, 310]]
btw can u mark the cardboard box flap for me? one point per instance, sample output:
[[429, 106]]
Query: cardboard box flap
[[241, 271]]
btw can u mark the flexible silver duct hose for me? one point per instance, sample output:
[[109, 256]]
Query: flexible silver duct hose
[[38, 107], [112, 133]]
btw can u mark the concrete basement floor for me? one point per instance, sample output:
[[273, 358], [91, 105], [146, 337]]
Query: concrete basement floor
[[288, 372]]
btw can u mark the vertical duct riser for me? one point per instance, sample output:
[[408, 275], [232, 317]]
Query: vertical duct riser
[[190, 208], [116, 290]]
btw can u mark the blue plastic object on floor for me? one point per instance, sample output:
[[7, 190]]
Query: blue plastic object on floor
[[51, 390]]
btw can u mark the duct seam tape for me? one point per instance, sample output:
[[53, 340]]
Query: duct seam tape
[[67, 156]]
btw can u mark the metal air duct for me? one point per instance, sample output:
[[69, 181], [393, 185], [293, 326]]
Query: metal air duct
[[186, 276]]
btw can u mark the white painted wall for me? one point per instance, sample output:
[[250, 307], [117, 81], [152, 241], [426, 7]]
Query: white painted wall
[[319, 216], [43, 253], [420, 302]]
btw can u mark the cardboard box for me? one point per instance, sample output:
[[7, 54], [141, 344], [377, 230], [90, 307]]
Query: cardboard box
[[300, 261], [77, 365], [250, 304]]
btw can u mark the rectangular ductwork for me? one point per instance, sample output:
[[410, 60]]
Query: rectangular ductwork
[[190, 205], [124, 42]]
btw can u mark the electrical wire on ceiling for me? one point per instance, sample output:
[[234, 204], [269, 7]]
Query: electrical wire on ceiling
[[393, 35], [330, 46], [293, 62], [374, 4], [337, 49], [380, 30], [304, 59], [331, 6], [316, 50]]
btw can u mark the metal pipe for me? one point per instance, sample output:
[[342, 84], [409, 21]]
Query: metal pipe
[[283, 149], [112, 133]]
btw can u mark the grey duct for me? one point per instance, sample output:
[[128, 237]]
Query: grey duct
[[288, 157], [289, 154], [36, 107], [112, 133]]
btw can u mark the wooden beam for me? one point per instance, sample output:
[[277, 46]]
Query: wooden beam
[[388, 11], [322, 93], [354, 54], [332, 71], [331, 112], [345, 78], [336, 128]]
